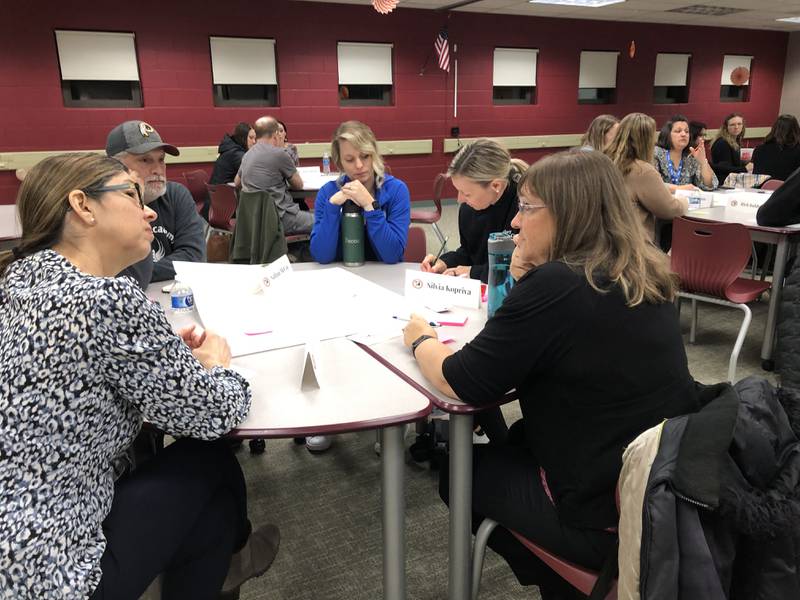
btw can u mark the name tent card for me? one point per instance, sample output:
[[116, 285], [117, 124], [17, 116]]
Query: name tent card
[[443, 289], [309, 381], [275, 275]]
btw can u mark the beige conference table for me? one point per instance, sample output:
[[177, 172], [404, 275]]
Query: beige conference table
[[343, 403], [781, 237]]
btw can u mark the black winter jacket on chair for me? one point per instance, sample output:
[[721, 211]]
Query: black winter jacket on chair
[[721, 516]]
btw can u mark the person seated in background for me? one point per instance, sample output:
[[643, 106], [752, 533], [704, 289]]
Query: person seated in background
[[231, 150], [267, 167], [485, 176], [601, 131], [779, 155], [86, 358], [384, 199], [726, 149], [577, 337], [681, 166], [782, 208], [632, 152], [697, 133], [290, 149], [178, 231]]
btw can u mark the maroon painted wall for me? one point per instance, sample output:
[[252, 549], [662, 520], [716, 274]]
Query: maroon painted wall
[[174, 63]]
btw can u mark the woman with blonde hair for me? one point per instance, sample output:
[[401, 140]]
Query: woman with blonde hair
[[632, 152], [485, 176], [384, 199], [86, 358], [601, 131], [577, 337], [726, 149]]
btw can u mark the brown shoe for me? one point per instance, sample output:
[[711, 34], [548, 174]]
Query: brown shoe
[[254, 559]]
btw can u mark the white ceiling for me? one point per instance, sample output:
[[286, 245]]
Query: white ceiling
[[758, 14]]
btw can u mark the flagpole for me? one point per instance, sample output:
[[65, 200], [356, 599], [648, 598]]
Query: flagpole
[[455, 81]]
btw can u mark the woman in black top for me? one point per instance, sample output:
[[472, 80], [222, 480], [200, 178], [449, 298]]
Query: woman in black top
[[779, 155], [591, 341], [231, 150], [725, 151], [485, 176]]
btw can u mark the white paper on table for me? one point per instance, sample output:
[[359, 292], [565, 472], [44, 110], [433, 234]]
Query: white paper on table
[[307, 305]]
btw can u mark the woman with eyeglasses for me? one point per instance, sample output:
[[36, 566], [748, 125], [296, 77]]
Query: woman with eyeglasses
[[86, 358], [577, 338], [485, 176]]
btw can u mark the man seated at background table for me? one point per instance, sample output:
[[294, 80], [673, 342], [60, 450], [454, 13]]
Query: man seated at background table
[[267, 167], [178, 231]]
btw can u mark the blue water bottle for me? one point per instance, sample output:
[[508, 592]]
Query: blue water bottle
[[326, 164], [501, 247], [181, 298]]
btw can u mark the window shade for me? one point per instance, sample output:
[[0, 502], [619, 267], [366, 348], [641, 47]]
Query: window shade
[[97, 56], [729, 63], [671, 69], [598, 70], [514, 66], [365, 64], [243, 61]]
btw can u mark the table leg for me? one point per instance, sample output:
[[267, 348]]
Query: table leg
[[460, 506], [394, 511], [776, 291]]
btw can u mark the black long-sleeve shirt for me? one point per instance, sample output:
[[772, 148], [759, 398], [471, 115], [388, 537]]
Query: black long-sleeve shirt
[[775, 160], [783, 206], [591, 374], [725, 160], [474, 227]]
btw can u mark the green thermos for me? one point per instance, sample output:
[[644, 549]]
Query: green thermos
[[352, 234]]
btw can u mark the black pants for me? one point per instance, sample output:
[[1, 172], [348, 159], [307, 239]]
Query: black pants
[[506, 487], [181, 514]]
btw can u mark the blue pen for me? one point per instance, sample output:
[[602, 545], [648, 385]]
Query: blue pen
[[431, 323]]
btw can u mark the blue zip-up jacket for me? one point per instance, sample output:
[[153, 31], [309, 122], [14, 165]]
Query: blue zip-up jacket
[[387, 228]]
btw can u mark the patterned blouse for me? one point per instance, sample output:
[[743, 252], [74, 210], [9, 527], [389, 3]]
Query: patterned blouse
[[688, 172], [84, 360]]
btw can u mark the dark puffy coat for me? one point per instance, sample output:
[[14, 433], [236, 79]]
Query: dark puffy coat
[[227, 164], [787, 347], [721, 519]]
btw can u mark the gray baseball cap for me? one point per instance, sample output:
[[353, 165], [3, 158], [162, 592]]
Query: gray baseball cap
[[136, 137]]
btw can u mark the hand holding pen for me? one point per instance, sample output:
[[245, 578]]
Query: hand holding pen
[[434, 264]]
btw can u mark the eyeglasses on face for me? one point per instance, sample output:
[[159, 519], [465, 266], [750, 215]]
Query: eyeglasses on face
[[121, 187], [524, 207]]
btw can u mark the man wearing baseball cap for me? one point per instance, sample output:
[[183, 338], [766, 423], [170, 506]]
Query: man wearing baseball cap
[[178, 230]]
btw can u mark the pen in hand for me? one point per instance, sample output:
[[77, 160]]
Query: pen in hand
[[431, 323], [439, 253]]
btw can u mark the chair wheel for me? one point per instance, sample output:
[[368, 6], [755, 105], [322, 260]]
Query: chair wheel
[[768, 365], [299, 441], [257, 446]]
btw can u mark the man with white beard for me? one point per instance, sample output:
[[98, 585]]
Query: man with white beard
[[178, 230]]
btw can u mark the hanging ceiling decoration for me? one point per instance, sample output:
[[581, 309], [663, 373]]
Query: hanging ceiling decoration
[[384, 6]]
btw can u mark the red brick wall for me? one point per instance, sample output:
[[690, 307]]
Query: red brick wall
[[175, 69]]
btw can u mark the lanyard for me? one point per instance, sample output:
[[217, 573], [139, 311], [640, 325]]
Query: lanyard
[[674, 177]]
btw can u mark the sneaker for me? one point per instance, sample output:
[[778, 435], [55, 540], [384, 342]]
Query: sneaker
[[318, 443], [253, 560], [479, 438]]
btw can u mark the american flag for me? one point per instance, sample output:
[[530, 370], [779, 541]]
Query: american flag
[[442, 48]]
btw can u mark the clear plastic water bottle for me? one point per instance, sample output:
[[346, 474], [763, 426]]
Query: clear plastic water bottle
[[326, 163], [181, 298]]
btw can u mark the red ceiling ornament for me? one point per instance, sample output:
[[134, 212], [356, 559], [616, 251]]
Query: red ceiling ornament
[[384, 6], [632, 49], [740, 75]]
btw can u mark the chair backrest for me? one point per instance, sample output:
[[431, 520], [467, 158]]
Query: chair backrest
[[438, 189], [709, 257], [196, 182], [223, 205], [772, 184], [416, 248]]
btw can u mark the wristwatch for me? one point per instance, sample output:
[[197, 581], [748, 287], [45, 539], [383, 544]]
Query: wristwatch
[[415, 344], [376, 205]]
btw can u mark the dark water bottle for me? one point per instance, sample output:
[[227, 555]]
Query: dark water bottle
[[501, 247], [352, 234]]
